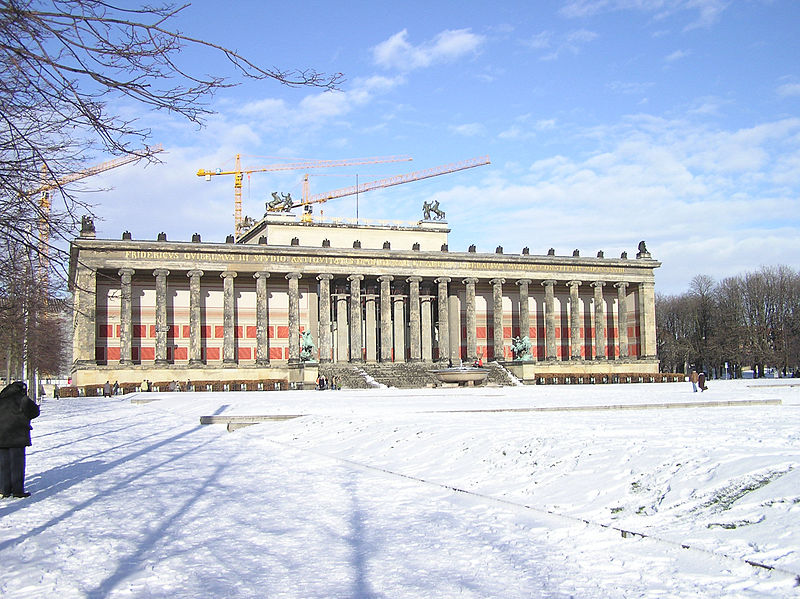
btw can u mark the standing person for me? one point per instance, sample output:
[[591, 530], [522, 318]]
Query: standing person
[[107, 389], [55, 391], [145, 386], [16, 412], [701, 381], [115, 388], [693, 377]]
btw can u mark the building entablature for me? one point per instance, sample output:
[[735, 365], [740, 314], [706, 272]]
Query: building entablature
[[215, 257]]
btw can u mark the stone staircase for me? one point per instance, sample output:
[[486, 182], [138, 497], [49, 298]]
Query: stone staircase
[[408, 375]]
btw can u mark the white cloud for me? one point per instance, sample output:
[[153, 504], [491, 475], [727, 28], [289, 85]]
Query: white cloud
[[789, 90], [449, 45], [707, 12], [677, 55], [572, 42], [468, 129]]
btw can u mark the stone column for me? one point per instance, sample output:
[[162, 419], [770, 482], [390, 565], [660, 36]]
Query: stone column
[[444, 318], [342, 328], [324, 317], [371, 327], [228, 319], [161, 316], [195, 317], [262, 319], [414, 319], [294, 317], [647, 321], [524, 311], [355, 318], [497, 317], [575, 337], [426, 311], [622, 318], [599, 321], [125, 317], [84, 327], [550, 350], [472, 326], [399, 328], [386, 318]]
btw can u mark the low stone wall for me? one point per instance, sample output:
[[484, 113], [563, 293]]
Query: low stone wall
[[572, 378], [196, 386]]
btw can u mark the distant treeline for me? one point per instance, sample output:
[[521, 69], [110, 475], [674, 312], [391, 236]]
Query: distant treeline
[[747, 321]]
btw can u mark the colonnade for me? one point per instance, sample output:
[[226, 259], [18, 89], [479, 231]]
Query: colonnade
[[363, 317]]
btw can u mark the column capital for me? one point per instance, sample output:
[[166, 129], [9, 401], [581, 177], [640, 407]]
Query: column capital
[[414, 279], [548, 282], [228, 273], [470, 280], [126, 272], [441, 280], [326, 276], [194, 273], [497, 281], [524, 281], [621, 285], [294, 275], [573, 283], [385, 278], [598, 284], [160, 272], [262, 274], [355, 278]]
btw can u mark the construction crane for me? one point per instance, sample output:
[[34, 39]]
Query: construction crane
[[238, 175], [390, 181], [49, 184]]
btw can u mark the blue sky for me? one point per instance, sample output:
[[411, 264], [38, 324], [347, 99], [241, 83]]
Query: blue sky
[[607, 122]]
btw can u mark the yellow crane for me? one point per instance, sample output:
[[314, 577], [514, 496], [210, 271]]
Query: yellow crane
[[49, 183], [238, 175], [390, 181]]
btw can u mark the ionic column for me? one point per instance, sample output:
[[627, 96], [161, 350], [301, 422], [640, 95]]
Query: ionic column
[[399, 328], [472, 325], [414, 319], [371, 327], [622, 318], [294, 317], [262, 316], [355, 318], [444, 317], [550, 350], [324, 317], [161, 316], [575, 338], [524, 313], [647, 321], [228, 319], [599, 321], [85, 333], [342, 328], [195, 317], [497, 317], [386, 318], [125, 317], [426, 311]]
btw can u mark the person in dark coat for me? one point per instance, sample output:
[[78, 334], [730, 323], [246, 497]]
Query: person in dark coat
[[16, 412], [701, 381]]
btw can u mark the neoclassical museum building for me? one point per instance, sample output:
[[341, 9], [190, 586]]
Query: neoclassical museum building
[[366, 292]]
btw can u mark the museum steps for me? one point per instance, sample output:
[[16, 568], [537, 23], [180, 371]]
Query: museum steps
[[403, 375]]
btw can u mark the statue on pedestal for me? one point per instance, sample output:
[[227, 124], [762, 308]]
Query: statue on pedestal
[[521, 346], [307, 349]]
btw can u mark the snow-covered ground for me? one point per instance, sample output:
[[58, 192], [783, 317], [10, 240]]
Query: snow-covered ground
[[425, 493]]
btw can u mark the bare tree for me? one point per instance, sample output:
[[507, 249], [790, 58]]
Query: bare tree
[[63, 63]]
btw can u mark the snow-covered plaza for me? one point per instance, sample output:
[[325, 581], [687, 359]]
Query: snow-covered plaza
[[483, 492]]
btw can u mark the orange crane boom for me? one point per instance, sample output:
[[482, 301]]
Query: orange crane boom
[[396, 180], [238, 172]]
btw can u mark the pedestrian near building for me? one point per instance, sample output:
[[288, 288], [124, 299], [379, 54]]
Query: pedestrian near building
[[16, 412], [115, 388], [701, 381], [107, 389], [693, 377]]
